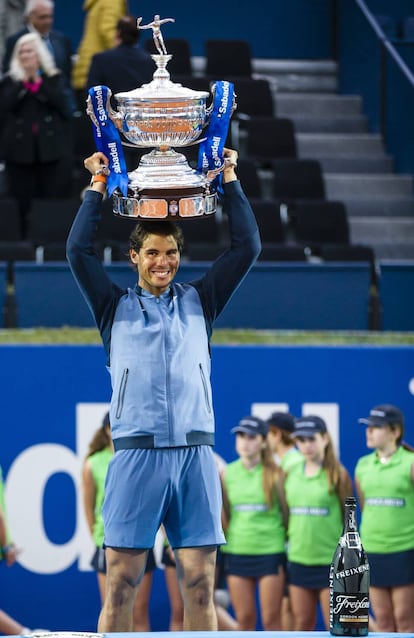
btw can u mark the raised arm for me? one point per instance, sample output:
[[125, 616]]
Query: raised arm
[[100, 292], [229, 270]]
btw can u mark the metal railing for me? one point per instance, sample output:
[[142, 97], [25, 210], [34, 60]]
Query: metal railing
[[373, 66]]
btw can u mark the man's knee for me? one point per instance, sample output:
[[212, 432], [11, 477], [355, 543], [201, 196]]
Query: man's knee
[[199, 588], [124, 571]]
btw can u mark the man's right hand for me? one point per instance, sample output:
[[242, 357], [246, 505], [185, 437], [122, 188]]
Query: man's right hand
[[94, 163]]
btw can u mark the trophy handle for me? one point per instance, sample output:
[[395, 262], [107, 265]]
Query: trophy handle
[[209, 109], [116, 117]]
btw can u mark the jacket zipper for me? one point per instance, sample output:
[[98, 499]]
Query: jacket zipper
[[204, 382], [121, 394]]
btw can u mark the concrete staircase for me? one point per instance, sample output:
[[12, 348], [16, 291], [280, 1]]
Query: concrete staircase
[[333, 129]]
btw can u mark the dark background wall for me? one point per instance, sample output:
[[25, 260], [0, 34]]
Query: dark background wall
[[293, 29], [274, 28]]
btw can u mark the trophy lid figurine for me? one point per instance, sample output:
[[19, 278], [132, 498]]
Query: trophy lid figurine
[[162, 115]]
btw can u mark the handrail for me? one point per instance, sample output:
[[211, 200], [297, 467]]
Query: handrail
[[400, 62], [386, 42], [373, 23]]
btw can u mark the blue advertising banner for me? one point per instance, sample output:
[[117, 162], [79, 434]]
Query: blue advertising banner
[[53, 399]]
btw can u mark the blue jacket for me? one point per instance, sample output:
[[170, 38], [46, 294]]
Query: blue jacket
[[158, 347]]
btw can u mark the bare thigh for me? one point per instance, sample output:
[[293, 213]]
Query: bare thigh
[[175, 598], [242, 593], [141, 605], [382, 607], [403, 604], [304, 603], [271, 590]]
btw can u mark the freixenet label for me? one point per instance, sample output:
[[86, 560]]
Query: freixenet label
[[352, 571], [357, 605]]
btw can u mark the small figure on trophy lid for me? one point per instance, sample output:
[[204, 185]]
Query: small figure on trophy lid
[[156, 32]]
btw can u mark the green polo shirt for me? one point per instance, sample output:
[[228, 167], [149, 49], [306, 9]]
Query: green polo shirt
[[387, 522], [315, 517], [253, 527]]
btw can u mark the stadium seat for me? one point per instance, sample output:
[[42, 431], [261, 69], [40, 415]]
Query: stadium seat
[[228, 58], [321, 222], [268, 219], [296, 179], [269, 138], [179, 48]]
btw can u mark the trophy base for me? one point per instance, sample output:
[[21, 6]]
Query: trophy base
[[165, 205], [165, 187]]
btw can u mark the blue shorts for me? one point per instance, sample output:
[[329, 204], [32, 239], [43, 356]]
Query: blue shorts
[[391, 570], [178, 487]]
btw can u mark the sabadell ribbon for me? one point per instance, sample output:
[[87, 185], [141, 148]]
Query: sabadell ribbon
[[210, 155], [107, 139]]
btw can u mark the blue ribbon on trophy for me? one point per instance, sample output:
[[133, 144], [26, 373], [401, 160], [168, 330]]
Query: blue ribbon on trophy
[[210, 155], [107, 138]]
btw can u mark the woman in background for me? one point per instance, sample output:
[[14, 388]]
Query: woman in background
[[385, 486], [315, 492], [35, 123], [254, 525]]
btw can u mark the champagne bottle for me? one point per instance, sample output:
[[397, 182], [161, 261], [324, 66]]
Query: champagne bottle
[[349, 581]]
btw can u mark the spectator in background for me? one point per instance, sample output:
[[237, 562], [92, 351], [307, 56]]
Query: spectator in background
[[39, 16], [385, 486], [315, 492], [35, 118], [11, 20], [94, 471], [254, 518], [98, 35], [126, 66]]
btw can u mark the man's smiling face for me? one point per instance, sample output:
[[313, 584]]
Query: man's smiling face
[[157, 263]]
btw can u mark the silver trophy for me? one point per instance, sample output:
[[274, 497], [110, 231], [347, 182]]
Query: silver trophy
[[162, 115]]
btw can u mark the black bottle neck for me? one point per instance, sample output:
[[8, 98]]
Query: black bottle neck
[[350, 522]]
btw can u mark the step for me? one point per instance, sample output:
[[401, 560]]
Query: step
[[384, 208], [314, 145], [394, 251], [368, 164], [380, 187], [380, 230], [328, 124], [317, 105], [298, 75]]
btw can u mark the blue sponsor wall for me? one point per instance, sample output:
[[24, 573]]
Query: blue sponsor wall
[[52, 400]]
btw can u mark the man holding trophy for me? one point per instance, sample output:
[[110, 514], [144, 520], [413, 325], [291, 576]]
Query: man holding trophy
[[156, 337]]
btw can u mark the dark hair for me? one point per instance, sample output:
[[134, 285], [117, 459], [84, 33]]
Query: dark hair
[[100, 440], [143, 229], [127, 30]]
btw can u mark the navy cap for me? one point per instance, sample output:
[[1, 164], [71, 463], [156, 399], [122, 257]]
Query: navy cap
[[282, 420], [251, 425], [383, 415], [309, 426]]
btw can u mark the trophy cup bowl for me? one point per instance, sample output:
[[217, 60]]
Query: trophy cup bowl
[[162, 115]]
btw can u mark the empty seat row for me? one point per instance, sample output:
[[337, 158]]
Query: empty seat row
[[223, 56]]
